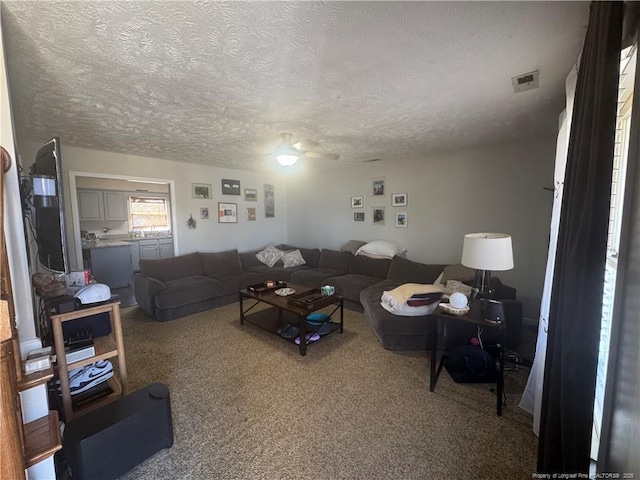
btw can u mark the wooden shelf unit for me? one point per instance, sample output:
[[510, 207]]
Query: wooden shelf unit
[[41, 439], [106, 347]]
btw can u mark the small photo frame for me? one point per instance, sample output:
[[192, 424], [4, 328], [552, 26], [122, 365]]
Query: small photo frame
[[204, 213], [378, 187], [251, 194], [201, 191], [378, 215], [401, 219], [230, 187], [399, 199], [227, 212], [358, 216], [357, 202], [251, 214]]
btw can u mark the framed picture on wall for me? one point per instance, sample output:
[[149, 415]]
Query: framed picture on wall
[[227, 213], [251, 195], [230, 187], [399, 199], [201, 190], [204, 213], [251, 214], [357, 202], [269, 201], [378, 215], [401, 219], [378, 187], [358, 216]]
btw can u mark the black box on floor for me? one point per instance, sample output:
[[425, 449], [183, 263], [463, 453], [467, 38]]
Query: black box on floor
[[110, 441]]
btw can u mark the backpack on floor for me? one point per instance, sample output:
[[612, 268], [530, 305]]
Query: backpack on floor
[[471, 364]]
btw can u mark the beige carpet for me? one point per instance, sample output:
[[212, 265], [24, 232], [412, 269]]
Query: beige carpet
[[246, 405]]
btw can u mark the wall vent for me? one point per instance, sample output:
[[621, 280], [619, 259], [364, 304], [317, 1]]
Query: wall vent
[[525, 82]]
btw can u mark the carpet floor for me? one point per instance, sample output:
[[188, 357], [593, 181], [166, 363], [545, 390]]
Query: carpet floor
[[246, 405]]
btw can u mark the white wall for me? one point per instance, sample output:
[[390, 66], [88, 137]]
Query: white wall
[[495, 188], [209, 236], [34, 401]]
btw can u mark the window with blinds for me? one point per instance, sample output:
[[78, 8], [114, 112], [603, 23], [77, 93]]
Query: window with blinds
[[623, 123], [149, 213]]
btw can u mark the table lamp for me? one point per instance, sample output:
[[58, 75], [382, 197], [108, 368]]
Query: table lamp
[[487, 252]]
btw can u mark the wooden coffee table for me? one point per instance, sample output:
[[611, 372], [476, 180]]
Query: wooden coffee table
[[282, 311]]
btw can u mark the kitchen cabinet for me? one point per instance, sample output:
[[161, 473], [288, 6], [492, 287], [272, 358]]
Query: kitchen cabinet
[[115, 206], [90, 205], [135, 256], [165, 247], [154, 248], [102, 205]]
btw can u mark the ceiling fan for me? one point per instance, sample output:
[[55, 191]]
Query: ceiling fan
[[288, 153]]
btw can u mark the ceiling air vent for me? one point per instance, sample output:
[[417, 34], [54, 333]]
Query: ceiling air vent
[[525, 82]]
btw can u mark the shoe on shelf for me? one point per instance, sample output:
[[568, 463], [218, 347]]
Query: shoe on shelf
[[82, 379], [310, 337]]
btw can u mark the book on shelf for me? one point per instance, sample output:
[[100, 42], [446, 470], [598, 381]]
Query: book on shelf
[[93, 394]]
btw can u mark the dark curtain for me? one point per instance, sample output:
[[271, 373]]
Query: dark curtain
[[576, 298], [620, 438]]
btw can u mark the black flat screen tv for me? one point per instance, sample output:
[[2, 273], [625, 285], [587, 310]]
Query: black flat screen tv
[[49, 209]]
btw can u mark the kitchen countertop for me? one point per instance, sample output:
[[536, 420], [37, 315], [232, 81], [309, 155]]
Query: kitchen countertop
[[104, 244]]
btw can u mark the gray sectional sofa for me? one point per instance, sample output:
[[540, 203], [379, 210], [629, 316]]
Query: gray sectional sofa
[[174, 287]]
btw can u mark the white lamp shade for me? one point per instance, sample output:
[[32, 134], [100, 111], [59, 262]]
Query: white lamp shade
[[487, 251]]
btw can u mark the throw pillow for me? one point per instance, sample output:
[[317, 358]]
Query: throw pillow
[[269, 256], [292, 259], [382, 248], [352, 246]]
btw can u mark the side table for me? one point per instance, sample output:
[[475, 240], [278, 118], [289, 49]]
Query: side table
[[474, 316]]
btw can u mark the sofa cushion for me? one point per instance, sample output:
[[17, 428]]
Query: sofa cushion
[[372, 267], [277, 273], [292, 259], [407, 271], [313, 277], [248, 259], [335, 260], [310, 255], [350, 285], [238, 279], [220, 262], [394, 332], [167, 269], [188, 290], [457, 272], [269, 256]]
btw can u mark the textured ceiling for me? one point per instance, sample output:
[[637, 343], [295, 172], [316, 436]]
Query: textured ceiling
[[216, 82]]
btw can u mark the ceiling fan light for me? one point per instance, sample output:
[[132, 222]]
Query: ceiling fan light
[[287, 160], [287, 155]]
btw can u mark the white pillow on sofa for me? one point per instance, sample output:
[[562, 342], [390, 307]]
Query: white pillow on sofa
[[270, 256], [292, 259], [382, 249]]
